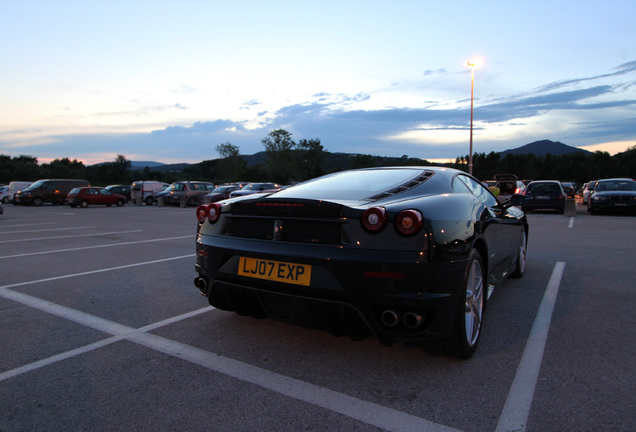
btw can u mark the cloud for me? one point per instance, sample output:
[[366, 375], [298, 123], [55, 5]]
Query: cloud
[[582, 113], [623, 69]]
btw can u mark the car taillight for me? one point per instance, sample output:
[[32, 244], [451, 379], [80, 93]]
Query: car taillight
[[408, 222], [374, 219], [211, 212]]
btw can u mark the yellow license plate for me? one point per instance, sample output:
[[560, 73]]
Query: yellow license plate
[[299, 274]]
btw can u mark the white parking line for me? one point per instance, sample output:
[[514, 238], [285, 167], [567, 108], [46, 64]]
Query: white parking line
[[94, 247], [50, 229], [571, 222], [367, 412], [513, 418], [6, 287], [29, 224], [71, 236], [517, 408], [75, 352]]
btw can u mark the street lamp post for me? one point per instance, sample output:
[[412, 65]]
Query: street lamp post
[[472, 84]]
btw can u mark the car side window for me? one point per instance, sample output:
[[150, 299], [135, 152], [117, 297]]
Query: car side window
[[479, 190]]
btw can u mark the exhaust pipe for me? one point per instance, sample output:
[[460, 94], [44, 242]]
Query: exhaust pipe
[[412, 320], [202, 284], [389, 318]]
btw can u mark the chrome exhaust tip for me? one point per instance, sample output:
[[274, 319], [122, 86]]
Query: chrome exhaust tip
[[202, 284], [389, 318], [412, 320]]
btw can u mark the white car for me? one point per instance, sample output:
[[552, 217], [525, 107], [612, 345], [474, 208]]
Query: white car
[[587, 190], [4, 194]]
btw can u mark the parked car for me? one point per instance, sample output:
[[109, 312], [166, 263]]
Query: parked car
[[120, 189], [220, 193], [192, 191], [616, 194], [252, 188], [146, 190], [588, 190], [402, 253], [569, 188], [546, 195], [508, 185], [48, 191], [15, 187], [4, 194], [85, 196]]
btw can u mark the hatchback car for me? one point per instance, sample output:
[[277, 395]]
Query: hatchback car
[[618, 194], [546, 195], [85, 196], [120, 189], [220, 193]]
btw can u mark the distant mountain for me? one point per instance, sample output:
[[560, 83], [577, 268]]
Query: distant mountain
[[339, 161], [144, 164], [542, 148]]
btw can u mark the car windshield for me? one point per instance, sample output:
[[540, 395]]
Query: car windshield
[[37, 184], [351, 185], [615, 185]]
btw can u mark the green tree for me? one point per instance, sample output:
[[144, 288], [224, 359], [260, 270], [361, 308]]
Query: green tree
[[311, 157], [233, 166], [279, 155], [64, 168]]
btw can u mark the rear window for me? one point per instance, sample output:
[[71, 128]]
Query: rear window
[[351, 185], [74, 191], [546, 188]]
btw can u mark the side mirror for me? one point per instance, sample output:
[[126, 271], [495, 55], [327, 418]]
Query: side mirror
[[519, 200]]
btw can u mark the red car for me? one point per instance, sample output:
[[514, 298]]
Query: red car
[[83, 196]]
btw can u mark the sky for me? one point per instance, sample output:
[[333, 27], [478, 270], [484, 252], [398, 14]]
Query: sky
[[169, 81]]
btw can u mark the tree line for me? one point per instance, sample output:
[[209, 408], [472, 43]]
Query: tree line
[[287, 161]]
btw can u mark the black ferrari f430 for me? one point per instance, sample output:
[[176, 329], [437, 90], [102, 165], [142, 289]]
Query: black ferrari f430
[[399, 253]]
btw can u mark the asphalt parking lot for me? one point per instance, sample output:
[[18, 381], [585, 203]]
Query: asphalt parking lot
[[103, 329]]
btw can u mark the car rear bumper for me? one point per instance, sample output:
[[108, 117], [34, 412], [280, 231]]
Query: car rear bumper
[[351, 291]]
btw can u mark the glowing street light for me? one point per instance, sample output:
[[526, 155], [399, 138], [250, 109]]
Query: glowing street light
[[472, 84]]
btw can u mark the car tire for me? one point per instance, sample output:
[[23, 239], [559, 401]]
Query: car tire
[[120, 203], [83, 204], [520, 266], [5, 200], [37, 201], [149, 201], [470, 309]]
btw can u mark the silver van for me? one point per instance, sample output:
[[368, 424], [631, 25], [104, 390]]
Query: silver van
[[14, 188], [146, 190]]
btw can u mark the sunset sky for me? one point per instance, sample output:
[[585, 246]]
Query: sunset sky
[[168, 81]]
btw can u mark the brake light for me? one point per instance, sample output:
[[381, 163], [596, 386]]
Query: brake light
[[408, 222], [211, 212], [374, 219]]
